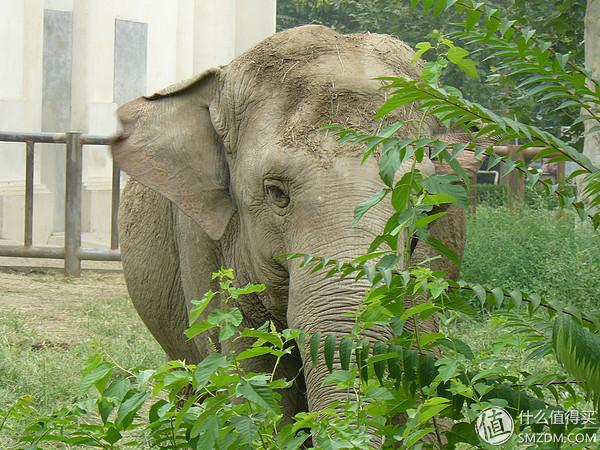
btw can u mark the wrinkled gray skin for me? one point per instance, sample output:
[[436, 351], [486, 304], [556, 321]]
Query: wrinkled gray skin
[[231, 170]]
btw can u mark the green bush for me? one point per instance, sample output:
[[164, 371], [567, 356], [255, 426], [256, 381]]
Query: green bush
[[536, 197], [493, 195], [548, 252]]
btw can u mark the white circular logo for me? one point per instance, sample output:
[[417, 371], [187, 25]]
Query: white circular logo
[[494, 425]]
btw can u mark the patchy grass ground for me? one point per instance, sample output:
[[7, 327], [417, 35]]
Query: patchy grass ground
[[50, 325]]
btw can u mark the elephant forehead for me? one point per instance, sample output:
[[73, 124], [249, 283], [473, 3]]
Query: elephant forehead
[[303, 78]]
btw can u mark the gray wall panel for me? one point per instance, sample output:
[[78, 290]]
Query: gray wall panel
[[131, 42], [56, 102]]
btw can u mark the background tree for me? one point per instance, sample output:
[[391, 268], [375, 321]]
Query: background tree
[[555, 21], [591, 146]]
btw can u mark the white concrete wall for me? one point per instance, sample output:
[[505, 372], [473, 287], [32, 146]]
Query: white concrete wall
[[184, 38], [21, 25]]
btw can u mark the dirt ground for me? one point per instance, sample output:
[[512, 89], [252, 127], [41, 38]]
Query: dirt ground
[[51, 303]]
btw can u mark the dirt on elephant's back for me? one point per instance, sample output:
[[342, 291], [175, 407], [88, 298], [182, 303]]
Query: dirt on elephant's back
[[53, 306]]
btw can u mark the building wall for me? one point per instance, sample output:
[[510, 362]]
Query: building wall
[[68, 64]]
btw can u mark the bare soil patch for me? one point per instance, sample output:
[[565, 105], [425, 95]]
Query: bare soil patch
[[51, 304]]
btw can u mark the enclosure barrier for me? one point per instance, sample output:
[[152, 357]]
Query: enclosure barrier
[[515, 183], [72, 252]]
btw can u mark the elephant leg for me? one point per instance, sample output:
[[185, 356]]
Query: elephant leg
[[152, 270]]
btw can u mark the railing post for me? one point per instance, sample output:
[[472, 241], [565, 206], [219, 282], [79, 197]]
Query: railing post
[[28, 235], [114, 209], [73, 205]]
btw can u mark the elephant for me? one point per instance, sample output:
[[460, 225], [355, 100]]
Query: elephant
[[232, 168]]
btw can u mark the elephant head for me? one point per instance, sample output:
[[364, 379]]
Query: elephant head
[[239, 150]]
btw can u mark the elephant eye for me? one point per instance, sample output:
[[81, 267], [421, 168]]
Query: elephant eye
[[277, 193]]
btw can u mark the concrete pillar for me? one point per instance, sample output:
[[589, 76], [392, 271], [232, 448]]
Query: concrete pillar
[[255, 21], [183, 37], [21, 29], [223, 29]]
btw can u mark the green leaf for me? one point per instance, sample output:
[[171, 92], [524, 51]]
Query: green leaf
[[422, 48], [257, 392], [388, 262], [419, 309], [467, 65], [534, 303], [578, 351], [228, 322], [488, 373], [463, 432], [200, 306], [472, 19], [266, 336], [207, 430], [498, 296], [117, 389], [362, 357], [432, 407], [362, 208], [253, 352], [343, 379], [329, 351], [388, 166], [458, 346], [315, 342], [248, 289], [480, 292], [442, 249], [438, 7], [516, 299], [426, 220], [427, 370], [438, 199], [416, 436], [345, 352], [105, 407], [446, 184], [400, 197], [198, 328], [129, 408], [112, 435], [456, 54], [175, 380], [95, 374], [246, 427], [379, 348], [207, 367]]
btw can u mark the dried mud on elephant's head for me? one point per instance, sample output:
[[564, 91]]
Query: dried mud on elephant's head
[[325, 77]]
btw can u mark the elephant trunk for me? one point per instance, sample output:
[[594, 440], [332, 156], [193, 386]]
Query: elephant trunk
[[319, 305]]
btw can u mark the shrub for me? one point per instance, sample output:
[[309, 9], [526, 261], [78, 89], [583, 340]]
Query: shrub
[[534, 250], [536, 197]]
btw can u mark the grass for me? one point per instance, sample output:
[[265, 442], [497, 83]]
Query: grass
[[537, 250], [50, 371]]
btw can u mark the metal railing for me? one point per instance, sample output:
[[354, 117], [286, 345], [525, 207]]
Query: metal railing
[[72, 252]]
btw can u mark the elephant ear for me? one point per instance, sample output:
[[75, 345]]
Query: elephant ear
[[169, 144]]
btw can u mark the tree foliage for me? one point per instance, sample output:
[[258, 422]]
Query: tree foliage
[[556, 21]]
